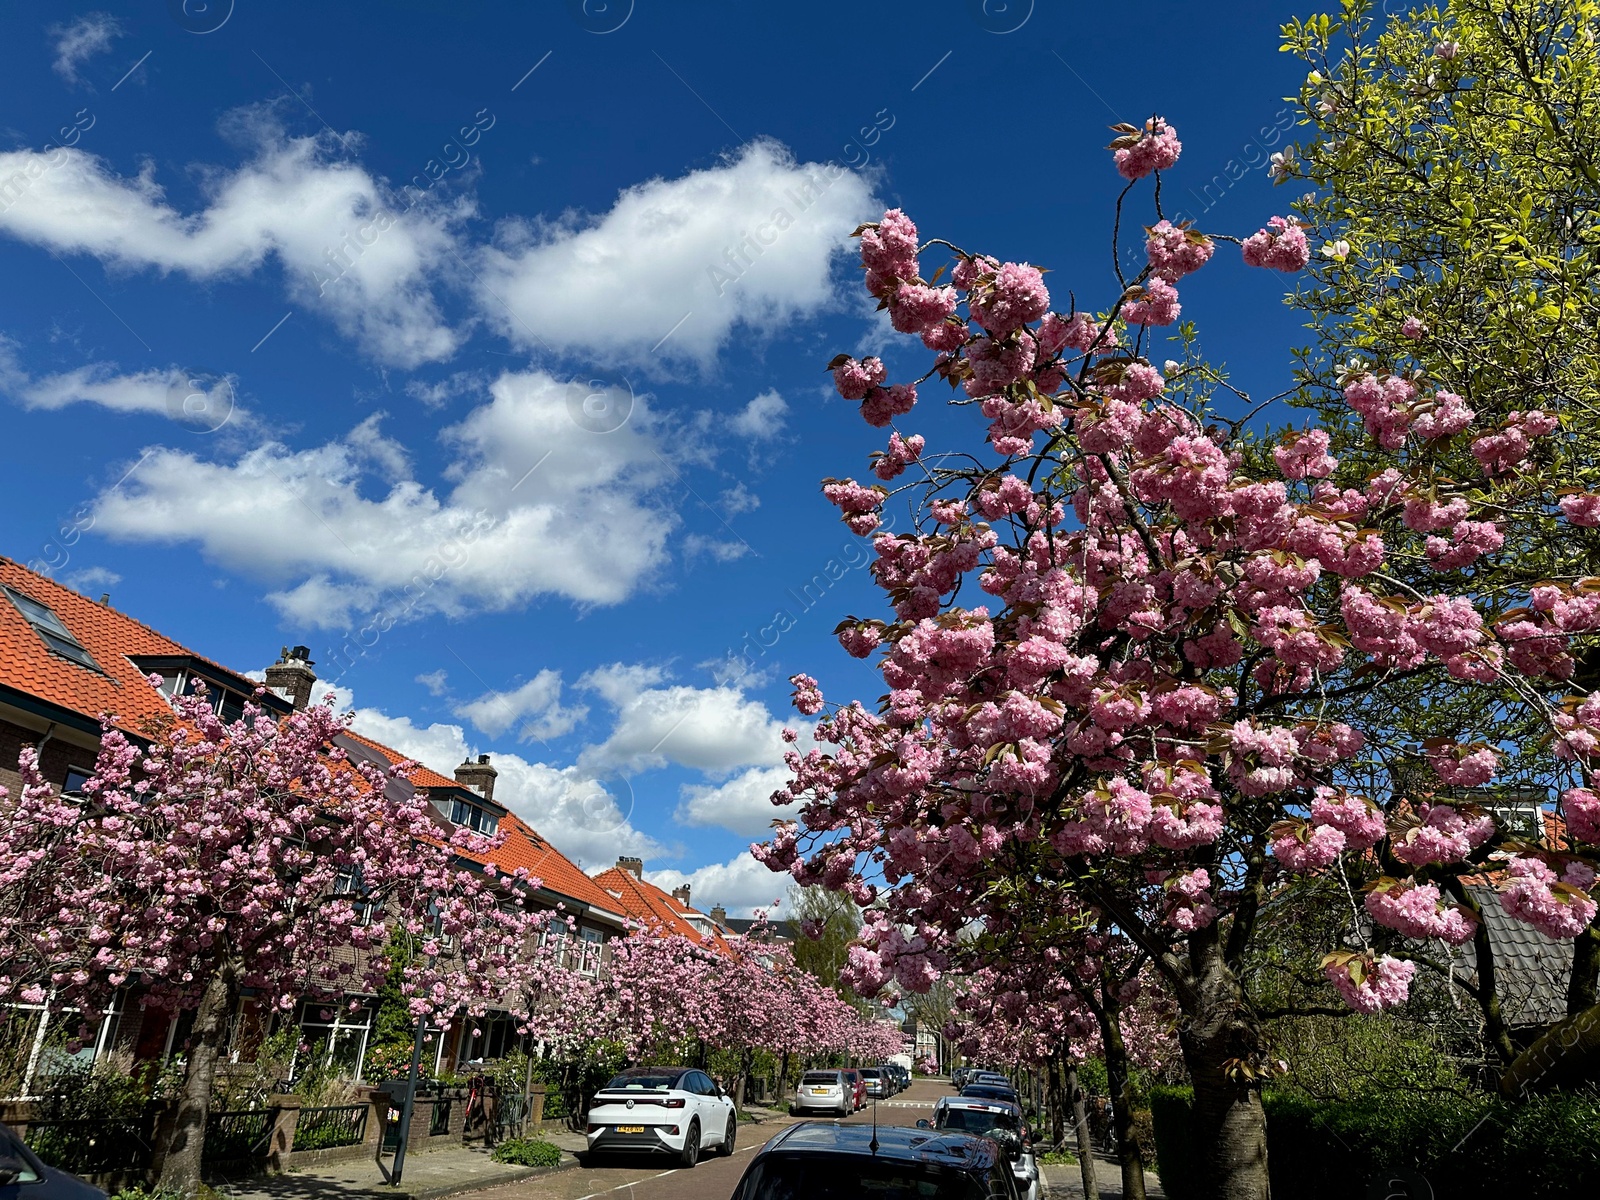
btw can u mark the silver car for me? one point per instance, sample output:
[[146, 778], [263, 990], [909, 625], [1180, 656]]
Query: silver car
[[998, 1119], [823, 1091]]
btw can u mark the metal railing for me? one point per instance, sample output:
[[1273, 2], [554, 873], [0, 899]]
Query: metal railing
[[329, 1126], [92, 1146], [237, 1137]]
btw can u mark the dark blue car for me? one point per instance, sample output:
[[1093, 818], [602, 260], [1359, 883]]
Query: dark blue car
[[24, 1177]]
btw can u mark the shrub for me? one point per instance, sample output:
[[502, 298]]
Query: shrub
[[1541, 1147], [527, 1152]]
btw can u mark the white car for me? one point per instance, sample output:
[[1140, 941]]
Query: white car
[[983, 1117], [823, 1091], [662, 1110]]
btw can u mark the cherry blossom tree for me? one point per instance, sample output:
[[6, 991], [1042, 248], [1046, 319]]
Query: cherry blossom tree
[[1188, 636], [252, 854]]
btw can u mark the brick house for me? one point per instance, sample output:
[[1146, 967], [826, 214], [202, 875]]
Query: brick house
[[66, 659]]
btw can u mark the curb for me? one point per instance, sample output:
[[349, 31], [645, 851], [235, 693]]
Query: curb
[[484, 1182]]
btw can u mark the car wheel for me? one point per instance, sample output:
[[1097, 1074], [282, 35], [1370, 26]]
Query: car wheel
[[729, 1136], [691, 1145]]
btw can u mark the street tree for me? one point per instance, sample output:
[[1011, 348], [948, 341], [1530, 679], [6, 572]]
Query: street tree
[[1150, 698], [253, 854]]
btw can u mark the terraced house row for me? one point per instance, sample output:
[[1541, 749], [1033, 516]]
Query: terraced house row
[[66, 659]]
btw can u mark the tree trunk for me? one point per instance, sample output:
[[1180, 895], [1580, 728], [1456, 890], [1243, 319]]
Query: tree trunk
[[1581, 992], [185, 1142], [745, 1060], [1219, 1035], [1117, 1076], [1058, 1119], [783, 1080], [1495, 1030], [1080, 1118]]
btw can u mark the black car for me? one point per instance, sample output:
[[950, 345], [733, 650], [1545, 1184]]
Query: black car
[[992, 1091], [817, 1160], [24, 1177]]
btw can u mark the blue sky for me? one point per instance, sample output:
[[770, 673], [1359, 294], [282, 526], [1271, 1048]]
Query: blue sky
[[307, 303]]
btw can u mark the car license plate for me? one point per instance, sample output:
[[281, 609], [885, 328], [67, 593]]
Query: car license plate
[[819, 1091], [630, 1128]]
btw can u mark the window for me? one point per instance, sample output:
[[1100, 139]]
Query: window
[[592, 948], [51, 631], [352, 887], [76, 778], [473, 816], [447, 941], [335, 1036]]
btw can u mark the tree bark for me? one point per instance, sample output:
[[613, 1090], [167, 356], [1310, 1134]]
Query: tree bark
[[1585, 969], [1495, 1030], [185, 1143], [1080, 1118], [745, 1059], [1219, 1036], [783, 1080], [1058, 1118], [1121, 1086]]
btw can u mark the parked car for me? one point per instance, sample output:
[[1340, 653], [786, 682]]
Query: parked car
[[991, 1119], [992, 1091], [876, 1083], [24, 1177], [823, 1091], [898, 1075], [958, 1077], [994, 1077], [662, 1110], [853, 1078], [821, 1160]]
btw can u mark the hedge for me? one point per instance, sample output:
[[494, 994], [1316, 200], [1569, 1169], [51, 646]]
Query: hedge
[[1545, 1147]]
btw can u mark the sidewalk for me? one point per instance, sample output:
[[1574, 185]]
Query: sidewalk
[[429, 1175], [1066, 1183]]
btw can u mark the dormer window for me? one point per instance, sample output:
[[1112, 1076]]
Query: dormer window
[[474, 816], [51, 631]]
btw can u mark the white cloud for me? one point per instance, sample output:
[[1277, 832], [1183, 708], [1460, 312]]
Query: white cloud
[[535, 710], [585, 818], [742, 804], [90, 578], [696, 545], [619, 683], [541, 506], [715, 729], [749, 242], [435, 681], [738, 499], [761, 419], [298, 199], [202, 403], [77, 43], [740, 885]]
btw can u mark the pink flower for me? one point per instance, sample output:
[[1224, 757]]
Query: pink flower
[[1305, 455], [1469, 541], [1413, 329], [1557, 908], [890, 247], [1369, 986], [1444, 836], [1355, 816], [1445, 415], [1504, 452], [917, 307], [1581, 509], [1281, 245], [1417, 911], [1305, 847], [1155, 148], [883, 405], [1463, 766], [1015, 296], [855, 379], [1188, 901], [1156, 305], [1084, 333], [1582, 809], [807, 695], [901, 452], [1174, 251]]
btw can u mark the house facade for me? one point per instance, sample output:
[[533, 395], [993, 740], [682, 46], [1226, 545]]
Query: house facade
[[66, 659]]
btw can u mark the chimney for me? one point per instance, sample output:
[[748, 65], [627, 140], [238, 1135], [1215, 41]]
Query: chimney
[[291, 676], [479, 776], [719, 915], [681, 895], [636, 865]]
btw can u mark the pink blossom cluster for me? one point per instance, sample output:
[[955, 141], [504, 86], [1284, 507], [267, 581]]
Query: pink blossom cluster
[[1445, 833], [1504, 452], [1581, 508], [1154, 148], [1305, 456], [1155, 304], [1418, 911], [900, 454], [1370, 985], [1463, 766], [1175, 251], [1581, 807], [1189, 904], [1281, 245], [1558, 906], [1384, 403]]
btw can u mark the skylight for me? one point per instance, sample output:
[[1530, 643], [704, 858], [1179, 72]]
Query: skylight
[[49, 627]]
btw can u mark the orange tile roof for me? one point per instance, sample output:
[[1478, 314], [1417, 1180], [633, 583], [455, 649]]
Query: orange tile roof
[[420, 775], [118, 688], [646, 902]]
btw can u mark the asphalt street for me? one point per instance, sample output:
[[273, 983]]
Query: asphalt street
[[714, 1178]]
